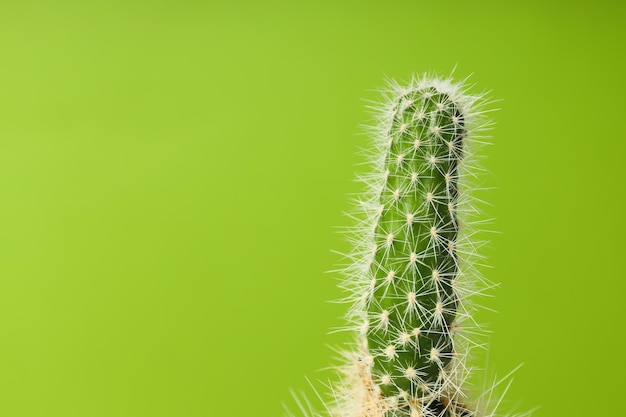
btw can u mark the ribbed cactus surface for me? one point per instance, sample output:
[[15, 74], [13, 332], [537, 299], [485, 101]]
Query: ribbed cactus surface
[[414, 263], [412, 307]]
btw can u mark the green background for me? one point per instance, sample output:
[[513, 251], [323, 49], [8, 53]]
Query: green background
[[171, 174]]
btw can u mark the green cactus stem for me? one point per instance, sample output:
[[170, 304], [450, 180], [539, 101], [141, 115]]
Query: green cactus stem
[[413, 269], [410, 281], [413, 302]]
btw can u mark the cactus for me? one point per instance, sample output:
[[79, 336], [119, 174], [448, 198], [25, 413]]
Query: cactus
[[414, 260], [412, 303]]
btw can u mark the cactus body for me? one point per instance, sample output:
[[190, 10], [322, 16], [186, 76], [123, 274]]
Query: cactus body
[[412, 304], [413, 264]]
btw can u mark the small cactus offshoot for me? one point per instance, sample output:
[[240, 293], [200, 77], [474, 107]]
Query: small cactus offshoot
[[414, 263]]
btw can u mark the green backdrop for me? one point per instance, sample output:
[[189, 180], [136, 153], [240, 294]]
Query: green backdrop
[[171, 173]]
